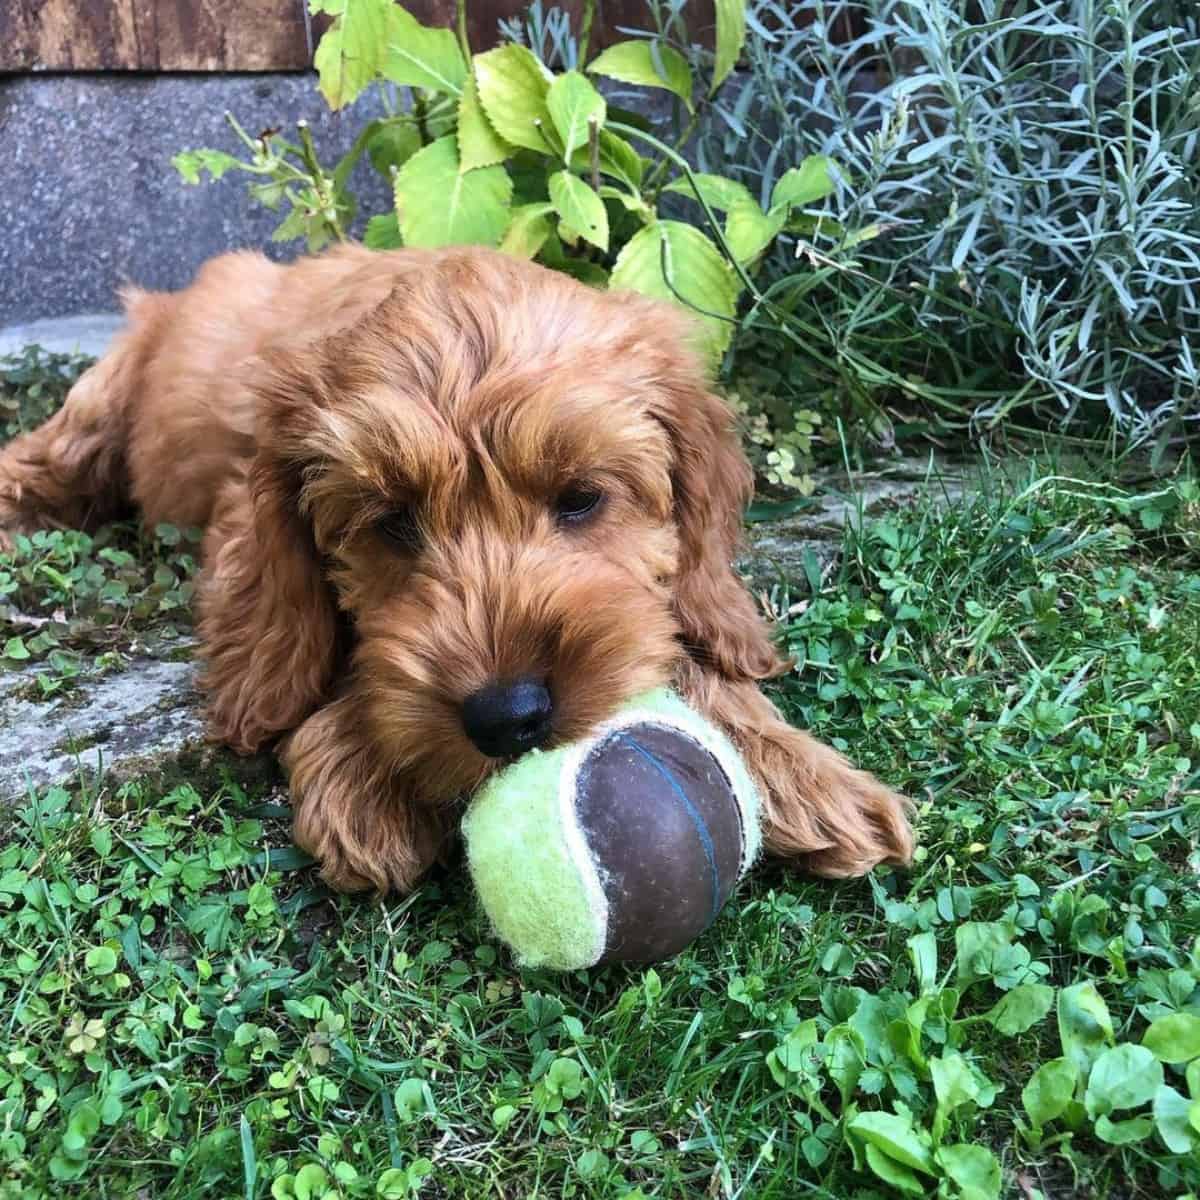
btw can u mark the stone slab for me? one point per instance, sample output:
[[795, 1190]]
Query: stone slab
[[88, 333], [142, 718]]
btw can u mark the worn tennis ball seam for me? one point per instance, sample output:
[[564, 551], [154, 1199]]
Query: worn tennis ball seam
[[698, 822], [665, 709]]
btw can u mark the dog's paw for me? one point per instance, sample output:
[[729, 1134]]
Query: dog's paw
[[349, 813], [826, 815]]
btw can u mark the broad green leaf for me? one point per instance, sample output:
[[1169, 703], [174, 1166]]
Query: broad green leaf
[[574, 105], [894, 1136], [1049, 1091], [101, 960], [192, 163], [528, 230], [85, 1120], [671, 260], [565, 1077], [16, 649], [1021, 1009], [720, 194], [1123, 1133], [922, 949], [978, 945], [512, 88], [634, 62], [618, 159], [410, 1100], [1084, 1026], [1126, 1076], [1174, 1038], [1171, 1121], [383, 233], [749, 230], [311, 1182], [580, 207], [974, 1169], [631, 202], [591, 1164], [392, 146], [794, 1054], [955, 1083], [731, 35], [478, 143], [812, 180], [111, 1108], [351, 52], [417, 56], [905, 1035], [438, 205], [893, 1173], [845, 1059]]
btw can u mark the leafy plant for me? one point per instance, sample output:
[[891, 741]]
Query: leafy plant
[[33, 384], [497, 148], [1031, 169], [62, 591]]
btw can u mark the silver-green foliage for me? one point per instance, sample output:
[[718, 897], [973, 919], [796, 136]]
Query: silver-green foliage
[[1037, 166]]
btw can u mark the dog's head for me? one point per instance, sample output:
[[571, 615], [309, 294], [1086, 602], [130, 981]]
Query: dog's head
[[523, 497]]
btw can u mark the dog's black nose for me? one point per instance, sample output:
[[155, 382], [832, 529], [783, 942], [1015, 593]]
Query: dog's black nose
[[506, 719]]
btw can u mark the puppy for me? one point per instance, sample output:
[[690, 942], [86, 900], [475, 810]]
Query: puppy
[[456, 506]]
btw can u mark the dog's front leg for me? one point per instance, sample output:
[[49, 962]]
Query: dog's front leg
[[829, 817], [352, 815]]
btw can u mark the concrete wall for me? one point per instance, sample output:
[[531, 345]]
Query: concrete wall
[[88, 196]]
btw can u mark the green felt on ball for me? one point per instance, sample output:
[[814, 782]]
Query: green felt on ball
[[620, 847]]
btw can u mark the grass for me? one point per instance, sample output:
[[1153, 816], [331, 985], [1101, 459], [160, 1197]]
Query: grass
[[186, 1012]]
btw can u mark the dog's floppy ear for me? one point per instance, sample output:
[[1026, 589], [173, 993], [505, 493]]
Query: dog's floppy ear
[[712, 483], [268, 619]]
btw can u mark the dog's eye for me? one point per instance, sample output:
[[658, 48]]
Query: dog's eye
[[576, 503], [400, 528]]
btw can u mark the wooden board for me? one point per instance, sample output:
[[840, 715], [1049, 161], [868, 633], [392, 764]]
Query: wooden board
[[153, 35], [242, 35], [484, 15]]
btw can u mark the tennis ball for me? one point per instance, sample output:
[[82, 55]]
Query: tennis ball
[[620, 847]]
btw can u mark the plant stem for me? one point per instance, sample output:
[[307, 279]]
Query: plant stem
[[320, 181], [421, 109], [594, 151], [585, 30], [463, 40], [679, 143]]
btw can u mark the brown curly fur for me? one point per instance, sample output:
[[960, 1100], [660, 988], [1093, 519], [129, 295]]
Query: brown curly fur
[[289, 409]]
